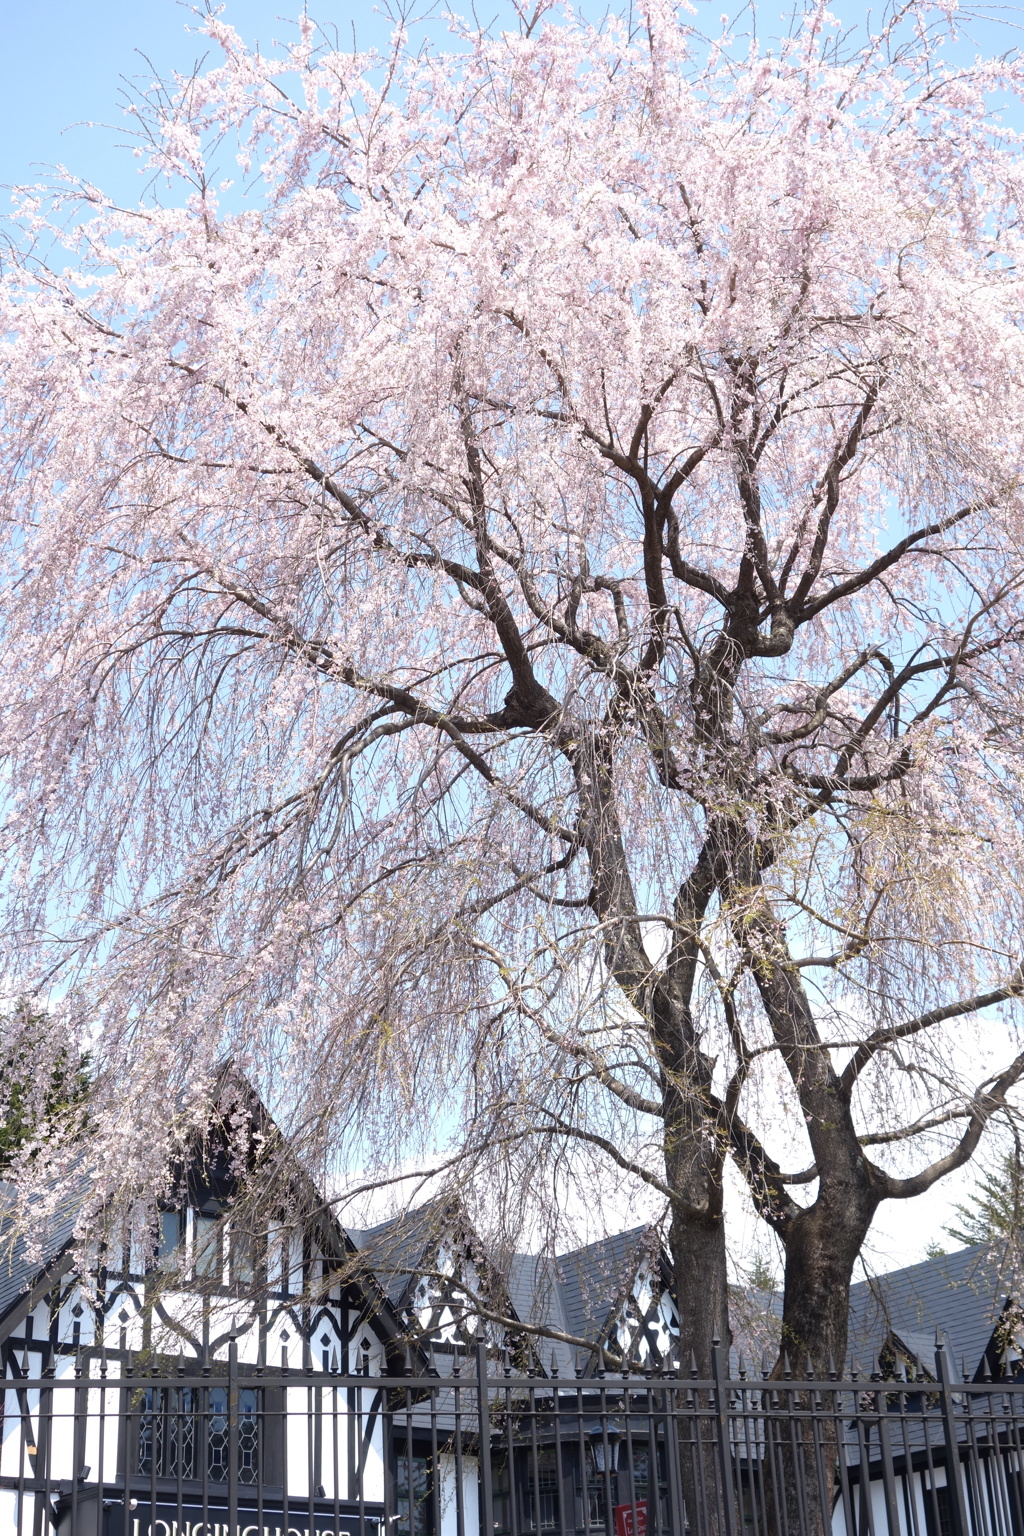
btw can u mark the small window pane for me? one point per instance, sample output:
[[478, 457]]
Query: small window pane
[[207, 1231], [170, 1234], [243, 1257]]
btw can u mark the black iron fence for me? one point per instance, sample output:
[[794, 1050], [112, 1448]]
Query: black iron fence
[[97, 1446]]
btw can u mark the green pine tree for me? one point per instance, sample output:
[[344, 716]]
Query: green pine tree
[[24, 1115], [997, 1206]]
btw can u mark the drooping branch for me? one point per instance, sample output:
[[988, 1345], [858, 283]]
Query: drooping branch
[[627, 1164]]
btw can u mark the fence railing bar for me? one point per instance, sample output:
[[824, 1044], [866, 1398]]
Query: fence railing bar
[[484, 1422]]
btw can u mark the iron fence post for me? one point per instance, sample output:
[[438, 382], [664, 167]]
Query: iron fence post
[[232, 1436], [679, 1523], [127, 1447], [725, 1469], [486, 1471], [954, 1481], [892, 1515]]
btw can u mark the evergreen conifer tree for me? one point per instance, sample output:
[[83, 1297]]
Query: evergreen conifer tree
[[997, 1204]]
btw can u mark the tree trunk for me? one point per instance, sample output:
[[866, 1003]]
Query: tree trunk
[[698, 1258], [822, 1245], [822, 1241]]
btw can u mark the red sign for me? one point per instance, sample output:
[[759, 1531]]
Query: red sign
[[624, 1525]]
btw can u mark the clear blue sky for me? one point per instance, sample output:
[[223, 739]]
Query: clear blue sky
[[62, 63]]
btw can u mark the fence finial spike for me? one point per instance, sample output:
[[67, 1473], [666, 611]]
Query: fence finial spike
[[986, 1372], [554, 1364], [741, 1366], [810, 1367], [693, 1366], [787, 1369], [766, 1368], [831, 1366]]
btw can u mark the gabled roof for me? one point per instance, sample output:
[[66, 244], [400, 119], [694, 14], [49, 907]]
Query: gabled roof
[[399, 1250], [581, 1292], [597, 1278], [24, 1279], [424, 1262], [536, 1292], [960, 1294]]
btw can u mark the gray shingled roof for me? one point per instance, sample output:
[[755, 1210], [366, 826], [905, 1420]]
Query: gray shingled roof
[[578, 1292], [537, 1295], [398, 1250], [18, 1273], [595, 1280], [961, 1294]]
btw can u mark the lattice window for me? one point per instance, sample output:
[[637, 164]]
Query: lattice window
[[541, 1495], [175, 1426]]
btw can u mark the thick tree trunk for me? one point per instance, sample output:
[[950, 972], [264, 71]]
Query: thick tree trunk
[[698, 1260], [697, 1244], [822, 1245], [823, 1240]]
